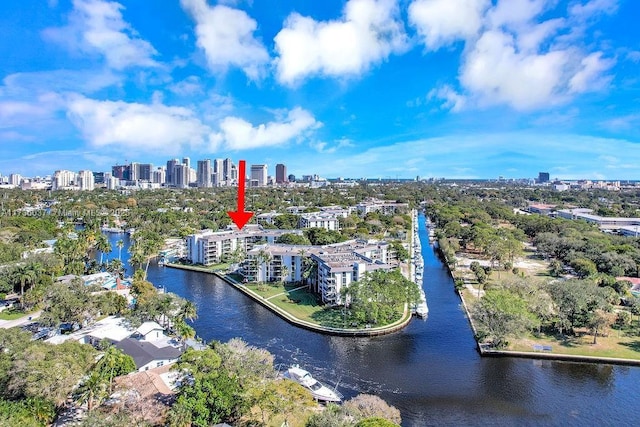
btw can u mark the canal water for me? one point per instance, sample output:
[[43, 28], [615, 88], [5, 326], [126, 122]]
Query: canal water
[[430, 370]]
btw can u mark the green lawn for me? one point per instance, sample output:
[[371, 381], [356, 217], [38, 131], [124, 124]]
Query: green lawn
[[617, 344], [12, 314], [266, 290], [300, 303], [304, 305]]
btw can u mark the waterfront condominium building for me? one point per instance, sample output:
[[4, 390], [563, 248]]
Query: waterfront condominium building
[[281, 173], [259, 175], [204, 173], [134, 171]]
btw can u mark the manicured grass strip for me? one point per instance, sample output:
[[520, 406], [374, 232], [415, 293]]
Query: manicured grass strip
[[622, 347], [266, 291], [11, 314]]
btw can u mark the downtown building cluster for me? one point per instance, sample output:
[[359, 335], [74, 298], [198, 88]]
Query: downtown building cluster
[[181, 173], [177, 173]]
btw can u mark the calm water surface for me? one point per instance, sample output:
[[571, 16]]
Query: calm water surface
[[430, 370]]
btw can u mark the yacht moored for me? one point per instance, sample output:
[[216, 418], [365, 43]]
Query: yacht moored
[[319, 391]]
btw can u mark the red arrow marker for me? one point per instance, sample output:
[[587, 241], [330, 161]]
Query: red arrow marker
[[240, 217]]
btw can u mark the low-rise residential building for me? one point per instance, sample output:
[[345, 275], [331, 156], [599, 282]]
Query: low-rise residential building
[[326, 268], [340, 265], [604, 222], [382, 206], [277, 263], [327, 220], [267, 218], [214, 247], [542, 209]]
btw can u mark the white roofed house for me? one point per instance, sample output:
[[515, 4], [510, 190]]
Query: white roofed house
[[151, 331], [150, 347]]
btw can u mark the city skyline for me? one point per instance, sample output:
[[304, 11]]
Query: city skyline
[[358, 88]]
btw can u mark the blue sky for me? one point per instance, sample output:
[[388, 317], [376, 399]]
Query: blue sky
[[358, 88]]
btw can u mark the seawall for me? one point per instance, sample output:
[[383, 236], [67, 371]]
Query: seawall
[[375, 331]]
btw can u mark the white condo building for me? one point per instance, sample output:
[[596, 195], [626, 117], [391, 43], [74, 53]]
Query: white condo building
[[204, 173], [63, 179], [326, 220], [213, 247], [86, 181]]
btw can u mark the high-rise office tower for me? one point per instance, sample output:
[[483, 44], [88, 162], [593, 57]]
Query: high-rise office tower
[[227, 171], [121, 171], [145, 172], [543, 177], [170, 172], [281, 173], [259, 173]]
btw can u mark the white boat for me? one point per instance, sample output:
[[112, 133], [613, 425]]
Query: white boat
[[421, 309], [319, 391]]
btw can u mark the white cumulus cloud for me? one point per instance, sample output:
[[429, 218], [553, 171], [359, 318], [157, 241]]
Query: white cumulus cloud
[[97, 26], [442, 22], [238, 134], [367, 33], [136, 127], [496, 72], [518, 58], [590, 75], [227, 37]]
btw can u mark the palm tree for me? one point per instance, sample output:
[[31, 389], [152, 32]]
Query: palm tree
[[265, 258], [103, 245], [284, 272], [184, 331], [93, 389], [115, 266], [120, 244], [188, 311], [25, 275]]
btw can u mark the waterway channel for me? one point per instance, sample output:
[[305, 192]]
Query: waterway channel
[[430, 370]]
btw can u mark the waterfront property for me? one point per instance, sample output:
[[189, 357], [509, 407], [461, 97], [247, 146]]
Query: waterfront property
[[210, 247], [327, 269]]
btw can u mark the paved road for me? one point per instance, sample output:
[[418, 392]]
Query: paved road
[[20, 321]]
